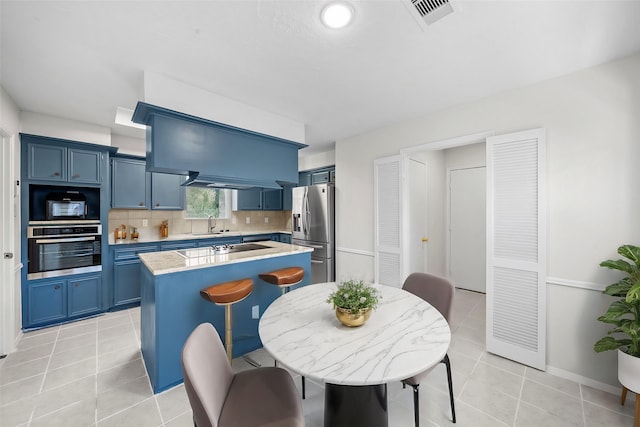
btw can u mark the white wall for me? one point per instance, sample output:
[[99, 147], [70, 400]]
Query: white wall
[[316, 160], [593, 135], [129, 145], [56, 127], [10, 125]]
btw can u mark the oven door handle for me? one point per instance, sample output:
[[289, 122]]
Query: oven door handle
[[71, 239]]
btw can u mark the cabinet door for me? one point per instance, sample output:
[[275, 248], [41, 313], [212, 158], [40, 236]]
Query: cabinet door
[[272, 200], [47, 302], [167, 192], [249, 200], [285, 238], [84, 166], [47, 162], [174, 246], [126, 282], [84, 295], [287, 198], [320, 177], [304, 178], [129, 184]]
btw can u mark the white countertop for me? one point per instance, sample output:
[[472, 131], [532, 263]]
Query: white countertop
[[174, 237], [404, 336], [172, 261]]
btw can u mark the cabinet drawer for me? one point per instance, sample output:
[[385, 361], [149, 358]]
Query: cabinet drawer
[[132, 253]]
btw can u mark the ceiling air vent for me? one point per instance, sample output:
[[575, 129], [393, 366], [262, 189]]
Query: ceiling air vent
[[432, 10]]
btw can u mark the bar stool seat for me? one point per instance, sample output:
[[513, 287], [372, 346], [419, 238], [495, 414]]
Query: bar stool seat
[[284, 277], [227, 294]]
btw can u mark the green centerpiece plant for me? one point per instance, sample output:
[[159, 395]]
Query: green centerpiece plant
[[353, 301]]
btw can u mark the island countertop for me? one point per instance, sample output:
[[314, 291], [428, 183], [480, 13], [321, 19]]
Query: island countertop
[[174, 261]]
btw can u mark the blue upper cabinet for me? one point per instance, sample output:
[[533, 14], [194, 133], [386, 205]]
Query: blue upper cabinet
[[129, 184], [182, 144], [249, 200], [84, 166], [47, 162], [64, 161], [287, 198], [272, 200], [132, 187], [167, 192]]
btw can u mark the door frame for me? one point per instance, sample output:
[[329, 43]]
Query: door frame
[[447, 213], [406, 238], [458, 141], [7, 244]]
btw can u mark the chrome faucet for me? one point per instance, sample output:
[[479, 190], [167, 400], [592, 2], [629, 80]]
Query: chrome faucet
[[211, 222]]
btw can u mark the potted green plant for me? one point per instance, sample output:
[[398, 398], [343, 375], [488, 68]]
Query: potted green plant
[[624, 314], [353, 302]]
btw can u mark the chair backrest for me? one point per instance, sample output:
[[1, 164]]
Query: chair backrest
[[207, 374], [435, 290]]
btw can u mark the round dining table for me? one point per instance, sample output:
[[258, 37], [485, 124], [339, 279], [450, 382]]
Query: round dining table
[[404, 336]]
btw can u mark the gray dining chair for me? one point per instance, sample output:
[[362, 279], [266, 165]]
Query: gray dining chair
[[438, 292], [264, 396]]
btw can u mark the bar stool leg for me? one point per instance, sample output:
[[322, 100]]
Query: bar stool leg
[[227, 337]]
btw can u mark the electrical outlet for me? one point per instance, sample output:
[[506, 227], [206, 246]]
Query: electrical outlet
[[255, 312], [266, 220], [248, 220], [145, 222]]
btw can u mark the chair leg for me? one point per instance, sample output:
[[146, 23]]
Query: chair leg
[[623, 398], [447, 362], [304, 392], [416, 405]]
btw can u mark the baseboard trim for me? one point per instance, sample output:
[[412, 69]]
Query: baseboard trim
[[583, 380], [590, 286], [356, 251]]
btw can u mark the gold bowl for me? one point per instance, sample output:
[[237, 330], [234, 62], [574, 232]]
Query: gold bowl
[[352, 319]]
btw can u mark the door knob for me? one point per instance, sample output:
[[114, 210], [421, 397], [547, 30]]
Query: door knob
[[425, 239]]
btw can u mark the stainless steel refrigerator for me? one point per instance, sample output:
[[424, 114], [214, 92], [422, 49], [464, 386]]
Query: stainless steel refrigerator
[[313, 214]]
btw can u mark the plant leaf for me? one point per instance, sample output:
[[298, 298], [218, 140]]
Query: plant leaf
[[618, 264], [619, 289], [631, 252], [608, 343]]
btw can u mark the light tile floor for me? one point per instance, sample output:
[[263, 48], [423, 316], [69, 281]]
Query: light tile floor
[[90, 373]]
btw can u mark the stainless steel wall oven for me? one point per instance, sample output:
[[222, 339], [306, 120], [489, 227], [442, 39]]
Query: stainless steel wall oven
[[64, 249]]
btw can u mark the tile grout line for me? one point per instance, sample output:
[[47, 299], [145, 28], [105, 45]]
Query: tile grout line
[[524, 376], [95, 384]]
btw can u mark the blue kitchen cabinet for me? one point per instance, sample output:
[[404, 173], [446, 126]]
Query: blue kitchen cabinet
[[84, 295], [167, 193], [285, 238], [58, 299], [129, 183], [320, 177], [272, 200], [46, 302], [317, 176], [84, 166], [249, 200], [174, 246], [258, 200], [126, 273], [287, 198], [304, 178], [64, 164], [231, 240], [47, 162]]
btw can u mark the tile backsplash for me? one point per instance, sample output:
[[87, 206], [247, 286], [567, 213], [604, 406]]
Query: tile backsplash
[[178, 224]]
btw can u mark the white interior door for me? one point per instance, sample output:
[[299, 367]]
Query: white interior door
[[416, 236], [516, 247], [467, 228], [388, 227]]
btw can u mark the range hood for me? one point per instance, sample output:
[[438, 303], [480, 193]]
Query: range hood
[[197, 180], [214, 154]]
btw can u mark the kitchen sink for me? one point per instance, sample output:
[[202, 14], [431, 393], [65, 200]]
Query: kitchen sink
[[220, 250]]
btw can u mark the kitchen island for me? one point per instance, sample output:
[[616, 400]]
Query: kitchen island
[[171, 306]]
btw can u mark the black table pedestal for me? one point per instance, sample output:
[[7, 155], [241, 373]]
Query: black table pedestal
[[355, 406]]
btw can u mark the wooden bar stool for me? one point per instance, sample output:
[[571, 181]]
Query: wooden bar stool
[[227, 294], [284, 277]]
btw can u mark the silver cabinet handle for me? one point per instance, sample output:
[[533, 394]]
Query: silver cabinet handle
[[313, 261]]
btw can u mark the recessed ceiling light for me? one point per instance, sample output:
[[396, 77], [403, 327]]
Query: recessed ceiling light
[[336, 15]]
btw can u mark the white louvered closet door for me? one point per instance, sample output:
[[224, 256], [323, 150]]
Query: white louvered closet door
[[387, 202], [516, 247]]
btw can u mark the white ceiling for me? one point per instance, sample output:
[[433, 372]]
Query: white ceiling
[[82, 59]]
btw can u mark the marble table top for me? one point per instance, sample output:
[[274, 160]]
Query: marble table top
[[404, 336]]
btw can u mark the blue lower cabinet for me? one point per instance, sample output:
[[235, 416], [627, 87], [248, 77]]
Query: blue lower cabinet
[[126, 273], [49, 301], [46, 302], [85, 295], [285, 238]]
